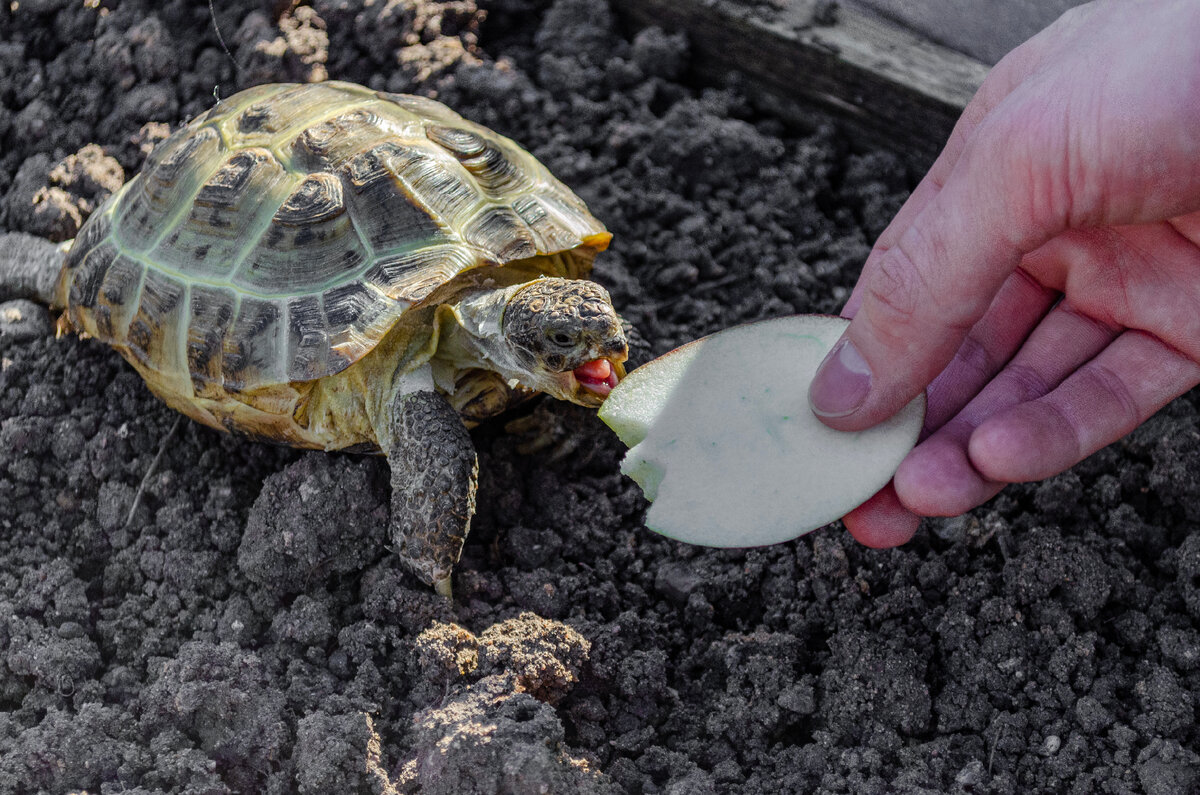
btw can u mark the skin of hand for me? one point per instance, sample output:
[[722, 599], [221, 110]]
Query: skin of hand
[[1043, 279]]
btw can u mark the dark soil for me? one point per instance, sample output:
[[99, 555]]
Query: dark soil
[[185, 612]]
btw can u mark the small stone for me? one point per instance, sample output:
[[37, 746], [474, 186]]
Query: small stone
[[677, 581], [972, 775]]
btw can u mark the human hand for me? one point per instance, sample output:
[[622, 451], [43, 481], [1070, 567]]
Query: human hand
[[1044, 278]]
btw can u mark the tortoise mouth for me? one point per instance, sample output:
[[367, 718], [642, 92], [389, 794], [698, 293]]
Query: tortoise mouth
[[597, 378]]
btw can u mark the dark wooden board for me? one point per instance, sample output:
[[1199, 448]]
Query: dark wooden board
[[984, 29], [887, 86]]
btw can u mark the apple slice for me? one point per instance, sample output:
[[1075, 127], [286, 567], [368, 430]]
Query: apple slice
[[724, 444]]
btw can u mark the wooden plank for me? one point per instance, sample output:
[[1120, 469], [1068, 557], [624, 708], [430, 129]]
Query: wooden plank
[[887, 86], [983, 29]]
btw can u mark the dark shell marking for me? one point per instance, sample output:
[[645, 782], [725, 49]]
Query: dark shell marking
[[280, 235]]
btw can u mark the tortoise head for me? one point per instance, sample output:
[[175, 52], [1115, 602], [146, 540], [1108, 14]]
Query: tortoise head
[[567, 336]]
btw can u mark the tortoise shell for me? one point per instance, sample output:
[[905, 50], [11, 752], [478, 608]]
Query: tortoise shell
[[278, 237]]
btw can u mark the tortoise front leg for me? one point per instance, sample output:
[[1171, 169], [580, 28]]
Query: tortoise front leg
[[434, 475]]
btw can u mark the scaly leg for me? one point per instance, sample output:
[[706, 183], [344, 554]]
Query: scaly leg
[[434, 476], [30, 267]]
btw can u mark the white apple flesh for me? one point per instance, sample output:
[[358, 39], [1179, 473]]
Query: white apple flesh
[[724, 444]]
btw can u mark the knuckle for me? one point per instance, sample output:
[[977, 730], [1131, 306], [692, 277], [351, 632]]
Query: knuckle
[[1109, 383], [924, 275], [1116, 304], [974, 358], [1027, 382], [896, 287], [904, 297], [1016, 151]]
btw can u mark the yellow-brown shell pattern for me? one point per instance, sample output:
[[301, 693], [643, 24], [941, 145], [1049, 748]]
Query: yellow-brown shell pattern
[[279, 236]]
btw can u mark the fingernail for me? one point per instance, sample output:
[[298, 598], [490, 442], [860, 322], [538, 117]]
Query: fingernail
[[842, 382]]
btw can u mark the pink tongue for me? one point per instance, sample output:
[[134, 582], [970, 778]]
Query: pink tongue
[[597, 376]]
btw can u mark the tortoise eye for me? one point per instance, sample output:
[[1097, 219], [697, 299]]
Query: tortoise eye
[[560, 338]]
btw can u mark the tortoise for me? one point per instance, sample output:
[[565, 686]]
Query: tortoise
[[336, 268]]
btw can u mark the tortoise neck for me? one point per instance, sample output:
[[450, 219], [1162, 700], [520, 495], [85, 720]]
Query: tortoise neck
[[472, 332]]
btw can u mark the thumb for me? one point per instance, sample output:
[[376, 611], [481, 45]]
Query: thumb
[[923, 289]]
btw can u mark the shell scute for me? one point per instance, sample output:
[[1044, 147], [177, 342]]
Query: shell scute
[[226, 188], [90, 271], [549, 232], [410, 277], [353, 304], [261, 115], [312, 220], [317, 198], [448, 193], [104, 291], [177, 155], [257, 118], [115, 304], [422, 107], [460, 142], [153, 335], [212, 312], [308, 352], [90, 236], [501, 233], [209, 243], [492, 168], [332, 254], [383, 209], [333, 140], [358, 315], [165, 187], [251, 352]]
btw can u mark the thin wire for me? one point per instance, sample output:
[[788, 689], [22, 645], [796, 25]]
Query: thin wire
[[141, 489], [212, 13]]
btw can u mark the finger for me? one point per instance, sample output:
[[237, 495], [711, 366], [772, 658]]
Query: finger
[[925, 191], [1105, 399], [938, 478], [882, 522], [938, 475], [1019, 306]]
